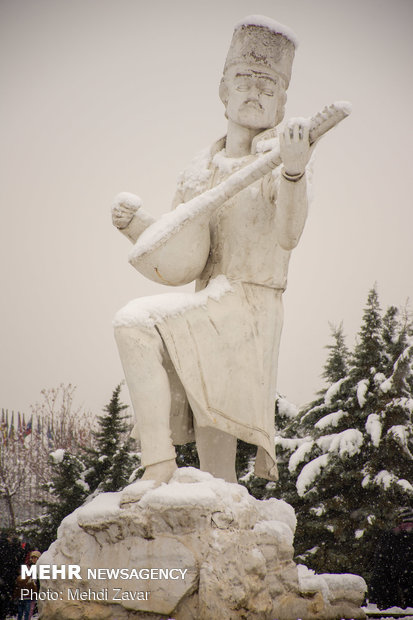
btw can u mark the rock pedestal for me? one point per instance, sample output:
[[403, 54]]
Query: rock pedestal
[[196, 548]]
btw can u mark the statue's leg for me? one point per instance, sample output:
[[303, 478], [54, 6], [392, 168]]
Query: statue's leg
[[217, 451], [141, 352]]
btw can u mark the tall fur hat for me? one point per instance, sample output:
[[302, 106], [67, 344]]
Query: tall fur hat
[[264, 44]]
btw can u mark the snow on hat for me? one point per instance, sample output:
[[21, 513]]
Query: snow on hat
[[263, 42], [406, 514]]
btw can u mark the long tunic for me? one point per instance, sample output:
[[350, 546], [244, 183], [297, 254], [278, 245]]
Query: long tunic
[[224, 351]]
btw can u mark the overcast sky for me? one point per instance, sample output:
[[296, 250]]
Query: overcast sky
[[103, 96]]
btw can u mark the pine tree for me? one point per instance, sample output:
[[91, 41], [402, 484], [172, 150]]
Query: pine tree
[[350, 452], [368, 352], [112, 461], [285, 416], [336, 366], [108, 466], [68, 490], [393, 346], [187, 455]]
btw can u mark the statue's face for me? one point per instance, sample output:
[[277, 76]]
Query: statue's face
[[252, 97]]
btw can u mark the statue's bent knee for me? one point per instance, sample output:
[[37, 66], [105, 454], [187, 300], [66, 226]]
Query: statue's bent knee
[[135, 338]]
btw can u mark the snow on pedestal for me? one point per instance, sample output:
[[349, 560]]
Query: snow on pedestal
[[223, 555]]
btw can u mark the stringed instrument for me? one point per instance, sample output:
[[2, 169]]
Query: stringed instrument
[[174, 249]]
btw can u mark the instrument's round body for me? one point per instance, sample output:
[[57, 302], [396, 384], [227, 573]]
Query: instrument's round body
[[181, 258]]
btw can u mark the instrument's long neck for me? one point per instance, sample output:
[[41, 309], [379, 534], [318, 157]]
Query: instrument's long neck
[[239, 180], [206, 203]]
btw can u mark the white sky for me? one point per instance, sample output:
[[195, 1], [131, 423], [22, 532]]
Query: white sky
[[103, 96]]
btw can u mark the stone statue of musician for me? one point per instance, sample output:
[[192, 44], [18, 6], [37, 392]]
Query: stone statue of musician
[[203, 365]]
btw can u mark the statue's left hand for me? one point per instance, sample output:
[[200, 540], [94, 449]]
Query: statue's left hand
[[295, 149]]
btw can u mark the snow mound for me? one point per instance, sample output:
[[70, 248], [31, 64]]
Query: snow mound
[[309, 582], [190, 491]]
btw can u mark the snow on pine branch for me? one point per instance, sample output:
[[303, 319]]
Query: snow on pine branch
[[362, 387], [332, 419], [406, 486], [311, 411], [299, 455], [386, 479], [399, 369], [378, 378], [310, 472], [374, 428], [287, 443], [386, 385], [403, 402], [286, 409], [332, 391], [318, 510], [346, 443], [401, 435], [58, 455]]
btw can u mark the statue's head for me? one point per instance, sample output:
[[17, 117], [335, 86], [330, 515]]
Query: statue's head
[[257, 72]]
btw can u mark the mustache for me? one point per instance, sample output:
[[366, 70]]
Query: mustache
[[253, 101]]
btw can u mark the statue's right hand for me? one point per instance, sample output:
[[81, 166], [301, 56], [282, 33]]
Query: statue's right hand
[[124, 208], [122, 215]]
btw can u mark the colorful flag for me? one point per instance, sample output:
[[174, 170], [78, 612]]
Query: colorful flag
[[3, 428], [20, 427], [11, 428], [49, 436], [28, 427]]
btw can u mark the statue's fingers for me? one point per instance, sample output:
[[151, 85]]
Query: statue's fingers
[[287, 136], [125, 208], [306, 134], [119, 218]]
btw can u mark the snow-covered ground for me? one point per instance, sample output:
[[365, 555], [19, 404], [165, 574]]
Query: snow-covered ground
[[373, 611]]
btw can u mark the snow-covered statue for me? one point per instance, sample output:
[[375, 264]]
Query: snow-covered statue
[[203, 365]]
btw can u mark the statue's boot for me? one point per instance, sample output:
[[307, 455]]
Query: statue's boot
[[153, 477]]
